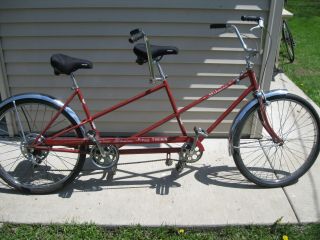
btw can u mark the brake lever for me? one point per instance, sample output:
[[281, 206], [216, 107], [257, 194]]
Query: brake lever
[[253, 28], [260, 25]]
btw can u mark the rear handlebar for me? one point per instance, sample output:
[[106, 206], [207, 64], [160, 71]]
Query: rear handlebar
[[136, 35]]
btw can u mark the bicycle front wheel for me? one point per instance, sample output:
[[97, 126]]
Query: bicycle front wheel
[[31, 170], [271, 164]]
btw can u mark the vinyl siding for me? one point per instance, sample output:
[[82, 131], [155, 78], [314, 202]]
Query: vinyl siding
[[32, 30]]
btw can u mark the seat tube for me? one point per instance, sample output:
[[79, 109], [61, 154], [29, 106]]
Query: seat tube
[[82, 101], [174, 107], [85, 108]]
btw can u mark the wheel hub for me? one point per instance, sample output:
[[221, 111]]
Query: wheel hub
[[30, 153]]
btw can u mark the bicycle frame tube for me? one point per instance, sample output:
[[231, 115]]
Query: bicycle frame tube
[[138, 137]]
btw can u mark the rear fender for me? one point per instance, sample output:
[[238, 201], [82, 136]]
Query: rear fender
[[48, 99]]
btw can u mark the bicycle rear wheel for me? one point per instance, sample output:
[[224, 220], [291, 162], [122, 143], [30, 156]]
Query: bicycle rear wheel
[[288, 41], [271, 164], [31, 170]]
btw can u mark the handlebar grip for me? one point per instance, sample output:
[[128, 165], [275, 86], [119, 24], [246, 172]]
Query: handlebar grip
[[135, 31], [218, 25], [136, 35], [250, 18]]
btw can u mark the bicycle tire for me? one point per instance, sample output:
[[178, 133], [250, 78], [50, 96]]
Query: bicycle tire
[[288, 41], [266, 163], [36, 172]]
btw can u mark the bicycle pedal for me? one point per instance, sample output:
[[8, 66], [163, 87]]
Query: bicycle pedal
[[180, 166], [114, 170], [203, 133], [200, 132], [169, 162]]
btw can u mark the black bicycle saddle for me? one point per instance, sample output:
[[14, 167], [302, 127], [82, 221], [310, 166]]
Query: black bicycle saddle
[[156, 51], [63, 64]]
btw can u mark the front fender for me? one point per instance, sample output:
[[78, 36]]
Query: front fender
[[46, 98], [246, 108]]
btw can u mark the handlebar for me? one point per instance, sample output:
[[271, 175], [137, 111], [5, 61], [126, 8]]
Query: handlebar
[[218, 25], [251, 18], [136, 35], [260, 25]]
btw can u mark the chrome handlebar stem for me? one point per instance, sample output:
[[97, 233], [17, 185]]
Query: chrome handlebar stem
[[252, 52]]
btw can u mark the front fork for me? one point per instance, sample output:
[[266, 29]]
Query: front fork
[[263, 103]]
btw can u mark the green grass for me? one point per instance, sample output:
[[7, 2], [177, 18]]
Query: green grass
[[90, 231], [305, 27]]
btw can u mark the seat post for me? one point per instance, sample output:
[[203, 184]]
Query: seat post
[[75, 84], [161, 72]]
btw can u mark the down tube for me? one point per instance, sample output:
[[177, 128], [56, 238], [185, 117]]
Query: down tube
[[230, 108]]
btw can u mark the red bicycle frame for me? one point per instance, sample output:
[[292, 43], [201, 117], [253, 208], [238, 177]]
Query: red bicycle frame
[[138, 138]]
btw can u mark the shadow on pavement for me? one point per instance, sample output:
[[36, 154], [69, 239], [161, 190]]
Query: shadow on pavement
[[224, 176], [124, 179], [92, 179]]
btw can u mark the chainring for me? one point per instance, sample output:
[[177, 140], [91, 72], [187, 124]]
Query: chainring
[[190, 156], [111, 156]]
